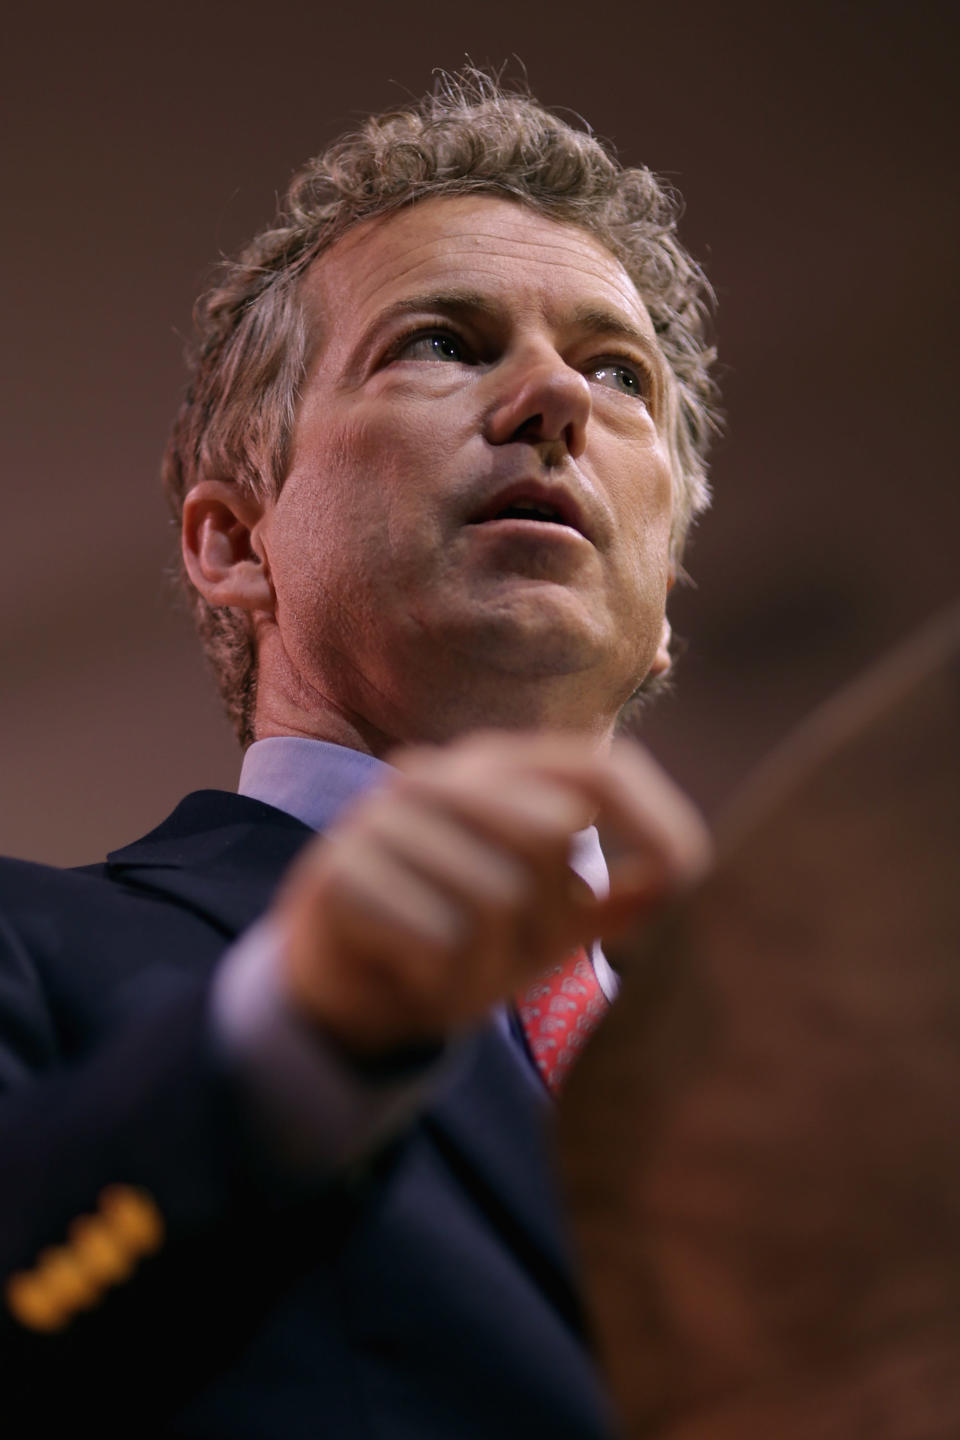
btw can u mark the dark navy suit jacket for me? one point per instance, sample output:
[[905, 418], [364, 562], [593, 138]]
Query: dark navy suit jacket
[[426, 1294]]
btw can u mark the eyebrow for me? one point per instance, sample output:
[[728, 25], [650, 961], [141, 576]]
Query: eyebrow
[[457, 304], [599, 321], [594, 319]]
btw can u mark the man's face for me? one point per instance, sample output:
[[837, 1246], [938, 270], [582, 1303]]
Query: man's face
[[476, 517]]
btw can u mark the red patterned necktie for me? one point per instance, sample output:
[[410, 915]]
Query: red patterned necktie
[[558, 1013]]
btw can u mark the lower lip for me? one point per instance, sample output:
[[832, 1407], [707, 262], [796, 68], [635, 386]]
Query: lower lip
[[538, 530]]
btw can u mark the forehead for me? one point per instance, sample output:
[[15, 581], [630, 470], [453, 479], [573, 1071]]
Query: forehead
[[483, 243]]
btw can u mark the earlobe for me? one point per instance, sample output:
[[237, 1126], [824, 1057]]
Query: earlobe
[[221, 549], [663, 659]]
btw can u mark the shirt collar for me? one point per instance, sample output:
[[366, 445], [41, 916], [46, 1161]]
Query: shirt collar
[[309, 779]]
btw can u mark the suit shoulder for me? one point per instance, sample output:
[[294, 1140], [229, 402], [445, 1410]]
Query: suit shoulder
[[39, 900], [25, 883]]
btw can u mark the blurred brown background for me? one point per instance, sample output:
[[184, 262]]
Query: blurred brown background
[[814, 147]]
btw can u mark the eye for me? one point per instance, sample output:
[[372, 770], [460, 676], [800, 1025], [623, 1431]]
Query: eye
[[617, 375], [434, 345]]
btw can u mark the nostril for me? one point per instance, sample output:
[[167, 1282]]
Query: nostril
[[530, 429]]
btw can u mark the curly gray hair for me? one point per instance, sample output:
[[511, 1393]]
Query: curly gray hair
[[471, 135]]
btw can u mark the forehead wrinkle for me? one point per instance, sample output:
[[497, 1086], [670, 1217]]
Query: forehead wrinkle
[[592, 259], [567, 240], [590, 314]]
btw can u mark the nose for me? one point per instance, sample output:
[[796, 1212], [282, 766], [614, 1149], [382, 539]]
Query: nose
[[542, 402]]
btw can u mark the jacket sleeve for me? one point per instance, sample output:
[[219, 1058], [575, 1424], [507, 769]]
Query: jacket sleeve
[[145, 1230]]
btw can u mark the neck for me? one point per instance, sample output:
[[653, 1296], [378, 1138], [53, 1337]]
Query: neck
[[384, 724], [378, 709]]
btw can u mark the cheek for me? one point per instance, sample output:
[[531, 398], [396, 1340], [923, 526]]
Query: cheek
[[404, 455], [381, 451], [643, 545], [337, 487], [351, 513], [644, 504]]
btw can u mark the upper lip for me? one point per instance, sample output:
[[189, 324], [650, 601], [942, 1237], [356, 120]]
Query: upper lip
[[554, 497]]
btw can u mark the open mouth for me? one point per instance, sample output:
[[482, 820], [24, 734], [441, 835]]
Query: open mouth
[[556, 509], [528, 510]]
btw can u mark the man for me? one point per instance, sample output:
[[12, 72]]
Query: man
[[442, 444]]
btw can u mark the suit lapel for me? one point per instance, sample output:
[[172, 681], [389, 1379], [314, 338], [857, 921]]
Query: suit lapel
[[493, 1127]]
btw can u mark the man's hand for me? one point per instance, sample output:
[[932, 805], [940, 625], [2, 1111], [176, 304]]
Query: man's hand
[[449, 889]]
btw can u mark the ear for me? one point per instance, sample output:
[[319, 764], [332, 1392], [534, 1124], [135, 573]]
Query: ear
[[663, 659], [221, 546]]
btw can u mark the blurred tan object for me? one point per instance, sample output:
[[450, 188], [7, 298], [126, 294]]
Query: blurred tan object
[[761, 1145]]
